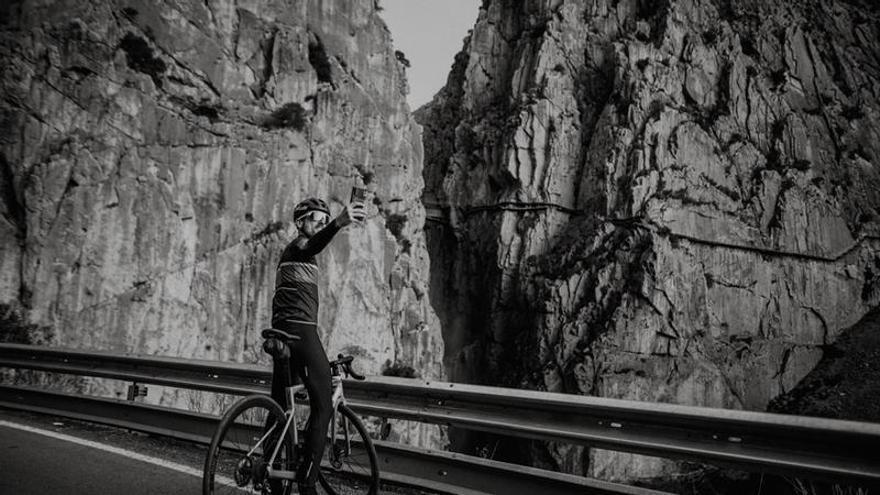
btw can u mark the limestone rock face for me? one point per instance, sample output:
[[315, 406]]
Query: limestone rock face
[[151, 157], [667, 201]]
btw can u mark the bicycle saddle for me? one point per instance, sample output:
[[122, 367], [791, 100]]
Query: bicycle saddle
[[274, 333]]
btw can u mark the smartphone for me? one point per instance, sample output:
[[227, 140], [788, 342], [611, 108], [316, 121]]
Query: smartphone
[[358, 194]]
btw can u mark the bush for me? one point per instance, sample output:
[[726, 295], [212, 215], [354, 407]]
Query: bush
[[141, 58], [401, 57], [290, 115], [14, 328], [399, 369]]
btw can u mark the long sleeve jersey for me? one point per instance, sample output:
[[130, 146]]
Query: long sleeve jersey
[[296, 278]]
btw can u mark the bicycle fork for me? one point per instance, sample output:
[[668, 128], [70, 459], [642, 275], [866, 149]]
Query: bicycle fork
[[334, 454]]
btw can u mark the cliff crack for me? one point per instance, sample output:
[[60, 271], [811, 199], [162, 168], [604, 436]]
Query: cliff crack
[[108, 120], [445, 211], [666, 317], [748, 102], [210, 11], [651, 225], [33, 113], [835, 139], [320, 61], [713, 280], [269, 57], [822, 320], [11, 198], [185, 117]]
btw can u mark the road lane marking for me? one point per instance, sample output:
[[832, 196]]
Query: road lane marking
[[115, 450]]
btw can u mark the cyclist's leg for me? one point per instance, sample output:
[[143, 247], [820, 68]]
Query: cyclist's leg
[[313, 368]]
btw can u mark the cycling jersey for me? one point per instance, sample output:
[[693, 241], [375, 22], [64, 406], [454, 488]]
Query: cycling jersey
[[296, 278]]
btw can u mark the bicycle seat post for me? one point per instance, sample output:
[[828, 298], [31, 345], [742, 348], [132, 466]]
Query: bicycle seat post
[[277, 345]]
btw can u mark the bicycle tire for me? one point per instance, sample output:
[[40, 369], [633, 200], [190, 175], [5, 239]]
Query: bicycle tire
[[358, 473], [228, 469]]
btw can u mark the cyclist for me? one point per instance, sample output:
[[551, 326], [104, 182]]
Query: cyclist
[[295, 310]]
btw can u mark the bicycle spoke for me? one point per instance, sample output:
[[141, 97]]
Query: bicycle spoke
[[350, 465]]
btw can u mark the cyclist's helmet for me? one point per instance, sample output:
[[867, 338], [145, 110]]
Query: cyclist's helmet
[[311, 204]]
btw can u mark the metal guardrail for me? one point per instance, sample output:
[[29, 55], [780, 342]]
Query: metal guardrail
[[441, 471], [751, 441], [800, 446]]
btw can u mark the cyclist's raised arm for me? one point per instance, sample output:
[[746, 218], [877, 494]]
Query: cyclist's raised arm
[[315, 244]]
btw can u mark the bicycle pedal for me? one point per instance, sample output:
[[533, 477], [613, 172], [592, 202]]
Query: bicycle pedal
[[301, 395]]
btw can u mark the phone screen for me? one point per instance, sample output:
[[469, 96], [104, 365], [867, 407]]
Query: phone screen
[[358, 194]]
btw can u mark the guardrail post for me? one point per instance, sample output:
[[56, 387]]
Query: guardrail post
[[135, 390]]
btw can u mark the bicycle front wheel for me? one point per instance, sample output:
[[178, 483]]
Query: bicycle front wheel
[[350, 463], [239, 453]]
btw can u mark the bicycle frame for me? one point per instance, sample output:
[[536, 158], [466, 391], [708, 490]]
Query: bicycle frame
[[290, 413]]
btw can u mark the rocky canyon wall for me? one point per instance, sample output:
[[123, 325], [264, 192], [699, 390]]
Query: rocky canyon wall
[[152, 153], [672, 201]]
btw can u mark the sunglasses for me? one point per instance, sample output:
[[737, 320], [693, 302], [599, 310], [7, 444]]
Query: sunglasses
[[316, 216]]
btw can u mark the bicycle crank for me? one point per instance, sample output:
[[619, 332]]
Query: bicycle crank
[[244, 471]]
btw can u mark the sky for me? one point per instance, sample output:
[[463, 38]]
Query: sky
[[429, 33]]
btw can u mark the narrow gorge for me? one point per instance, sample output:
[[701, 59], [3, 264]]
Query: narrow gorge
[[672, 201]]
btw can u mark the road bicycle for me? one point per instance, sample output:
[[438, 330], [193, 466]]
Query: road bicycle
[[256, 446]]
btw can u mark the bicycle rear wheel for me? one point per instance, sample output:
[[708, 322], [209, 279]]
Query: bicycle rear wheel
[[240, 449], [350, 463]]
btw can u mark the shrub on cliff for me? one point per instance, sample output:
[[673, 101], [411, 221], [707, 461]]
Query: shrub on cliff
[[399, 369], [15, 329], [401, 57], [290, 115]]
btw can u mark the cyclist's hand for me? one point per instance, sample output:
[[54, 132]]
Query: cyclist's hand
[[354, 212]]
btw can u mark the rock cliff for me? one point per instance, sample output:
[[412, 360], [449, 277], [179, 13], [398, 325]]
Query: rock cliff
[[671, 201], [151, 156]]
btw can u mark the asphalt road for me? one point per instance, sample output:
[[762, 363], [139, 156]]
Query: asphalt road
[[47, 455], [34, 463]]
